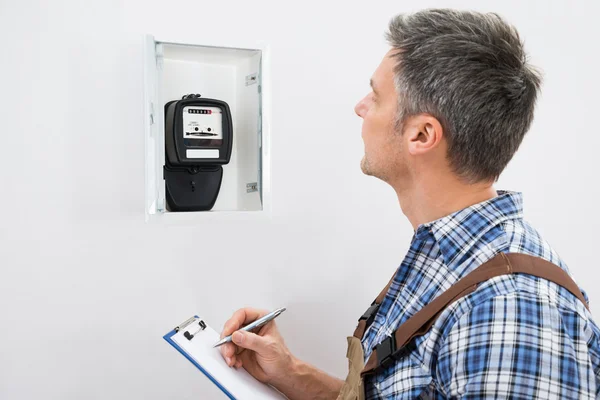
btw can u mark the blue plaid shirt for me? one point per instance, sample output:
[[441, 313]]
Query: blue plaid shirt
[[516, 336]]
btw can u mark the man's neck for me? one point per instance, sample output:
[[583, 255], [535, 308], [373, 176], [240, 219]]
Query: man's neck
[[440, 197]]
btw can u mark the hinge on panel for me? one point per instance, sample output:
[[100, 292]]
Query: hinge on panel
[[252, 187], [251, 79], [159, 55], [151, 113]]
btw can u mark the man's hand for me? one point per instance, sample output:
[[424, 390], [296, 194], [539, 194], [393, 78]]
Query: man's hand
[[264, 354]]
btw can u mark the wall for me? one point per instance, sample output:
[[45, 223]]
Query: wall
[[87, 288]]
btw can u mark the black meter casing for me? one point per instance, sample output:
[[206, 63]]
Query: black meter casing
[[198, 142]]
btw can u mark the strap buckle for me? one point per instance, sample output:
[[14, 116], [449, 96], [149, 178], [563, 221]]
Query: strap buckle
[[386, 352], [369, 315]]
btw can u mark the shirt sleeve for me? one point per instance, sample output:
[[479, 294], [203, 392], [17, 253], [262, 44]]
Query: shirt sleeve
[[516, 346]]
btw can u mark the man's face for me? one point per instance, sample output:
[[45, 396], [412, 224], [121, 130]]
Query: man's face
[[383, 145]]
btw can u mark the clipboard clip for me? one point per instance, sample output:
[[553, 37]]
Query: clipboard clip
[[201, 327], [188, 322], [185, 323]]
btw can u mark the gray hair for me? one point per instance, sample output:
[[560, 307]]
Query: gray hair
[[470, 71]]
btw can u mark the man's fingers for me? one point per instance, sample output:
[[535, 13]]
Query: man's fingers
[[241, 318], [233, 352], [228, 349], [251, 341]]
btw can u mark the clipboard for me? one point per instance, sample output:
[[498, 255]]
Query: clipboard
[[194, 339]]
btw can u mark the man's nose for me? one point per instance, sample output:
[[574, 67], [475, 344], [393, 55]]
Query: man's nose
[[360, 108]]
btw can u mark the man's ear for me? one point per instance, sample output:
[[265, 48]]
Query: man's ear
[[422, 133]]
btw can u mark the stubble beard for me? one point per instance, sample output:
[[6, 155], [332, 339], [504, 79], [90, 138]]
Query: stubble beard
[[365, 166]]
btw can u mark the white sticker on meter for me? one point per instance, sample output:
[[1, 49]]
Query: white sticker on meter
[[202, 122], [202, 153]]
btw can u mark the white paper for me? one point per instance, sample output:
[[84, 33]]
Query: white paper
[[238, 382]]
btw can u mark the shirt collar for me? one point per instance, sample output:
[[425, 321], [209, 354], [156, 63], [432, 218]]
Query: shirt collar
[[458, 232]]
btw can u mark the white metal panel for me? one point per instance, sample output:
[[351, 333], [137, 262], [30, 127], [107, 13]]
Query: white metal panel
[[150, 124], [247, 131], [265, 128]]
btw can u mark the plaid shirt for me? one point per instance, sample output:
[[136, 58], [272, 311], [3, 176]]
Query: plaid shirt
[[515, 336]]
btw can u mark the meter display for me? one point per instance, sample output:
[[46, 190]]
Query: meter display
[[202, 123]]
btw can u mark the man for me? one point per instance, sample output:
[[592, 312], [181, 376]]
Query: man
[[450, 104]]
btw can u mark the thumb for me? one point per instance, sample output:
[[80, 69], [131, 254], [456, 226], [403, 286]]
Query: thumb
[[250, 341]]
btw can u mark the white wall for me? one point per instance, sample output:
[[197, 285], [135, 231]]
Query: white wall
[[87, 289]]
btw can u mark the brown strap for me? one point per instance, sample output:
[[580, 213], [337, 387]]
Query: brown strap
[[502, 264], [362, 322]]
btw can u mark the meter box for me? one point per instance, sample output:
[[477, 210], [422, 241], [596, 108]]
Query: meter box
[[207, 131]]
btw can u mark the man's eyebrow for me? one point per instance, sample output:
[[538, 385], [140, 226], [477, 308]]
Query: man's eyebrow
[[373, 86]]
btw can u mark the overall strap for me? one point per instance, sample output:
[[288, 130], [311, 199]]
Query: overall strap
[[367, 318], [388, 350]]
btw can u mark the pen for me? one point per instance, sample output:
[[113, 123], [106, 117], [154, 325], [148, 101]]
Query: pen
[[259, 322]]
